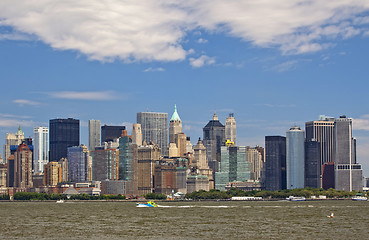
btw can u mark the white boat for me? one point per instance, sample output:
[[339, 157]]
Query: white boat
[[359, 198], [296, 199], [60, 201]]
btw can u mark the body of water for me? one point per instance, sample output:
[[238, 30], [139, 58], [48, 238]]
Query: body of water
[[185, 220]]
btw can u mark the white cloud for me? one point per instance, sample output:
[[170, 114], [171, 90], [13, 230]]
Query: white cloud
[[201, 40], [11, 122], [150, 69], [22, 102], [361, 123], [95, 96], [146, 30], [201, 61]]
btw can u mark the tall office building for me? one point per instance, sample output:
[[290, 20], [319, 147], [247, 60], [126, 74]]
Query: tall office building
[[63, 133], [147, 156], [255, 157], [230, 128], [105, 164], [312, 164], [322, 131], [137, 134], [233, 166], [295, 158], [213, 139], [154, 128], [78, 164], [110, 133], [128, 163], [12, 139], [175, 126], [23, 167], [41, 148], [275, 163], [94, 134], [348, 173]]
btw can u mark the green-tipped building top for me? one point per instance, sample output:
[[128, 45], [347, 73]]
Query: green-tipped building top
[[175, 116]]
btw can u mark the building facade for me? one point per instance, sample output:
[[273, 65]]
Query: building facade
[[147, 157], [63, 133], [154, 128], [348, 173], [275, 163], [295, 158], [23, 167], [128, 163], [12, 139], [213, 139], [230, 128], [175, 126], [313, 169], [137, 134], [110, 133], [78, 164], [94, 134], [234, 166], [41, 148]]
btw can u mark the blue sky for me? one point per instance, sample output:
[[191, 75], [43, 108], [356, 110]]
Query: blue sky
[[271, 64]]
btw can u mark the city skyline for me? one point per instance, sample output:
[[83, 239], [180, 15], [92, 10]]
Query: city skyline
[[272, 71]]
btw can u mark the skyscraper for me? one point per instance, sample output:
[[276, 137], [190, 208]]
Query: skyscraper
[[295, 158], [154, 128], [128, 163], [313, 168], [275, 163], [41, 148], [322, 131], [175, 126], [147, 156], [78, 164], [110, 133], [105, 164], [255, 157], [348, 174], [213, 139], [63, 133], [23, 167], [94, 134], [233, 166], [12, 139], [137, 134], [230, 128]]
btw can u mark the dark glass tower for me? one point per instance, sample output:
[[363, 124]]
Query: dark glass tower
[[275, 163], [214, 138], [109, 133], [313, 169], [64, 133]]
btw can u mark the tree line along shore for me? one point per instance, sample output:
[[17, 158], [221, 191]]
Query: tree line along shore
[[198, 195]]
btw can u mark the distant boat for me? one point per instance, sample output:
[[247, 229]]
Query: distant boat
[[296, 199], [60, 201], [148, 204], [359, 198]]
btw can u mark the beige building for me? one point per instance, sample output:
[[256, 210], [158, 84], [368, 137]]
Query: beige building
[[3, 174], [200, 165], [12, 139], [137, 134], [230, 128], [147, 157], [175, 126], [255, 157], [52, 173]]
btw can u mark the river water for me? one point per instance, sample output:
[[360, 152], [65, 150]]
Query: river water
[[185, 220]]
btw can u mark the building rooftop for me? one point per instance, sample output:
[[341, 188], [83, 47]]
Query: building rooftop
[[175, 116]]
